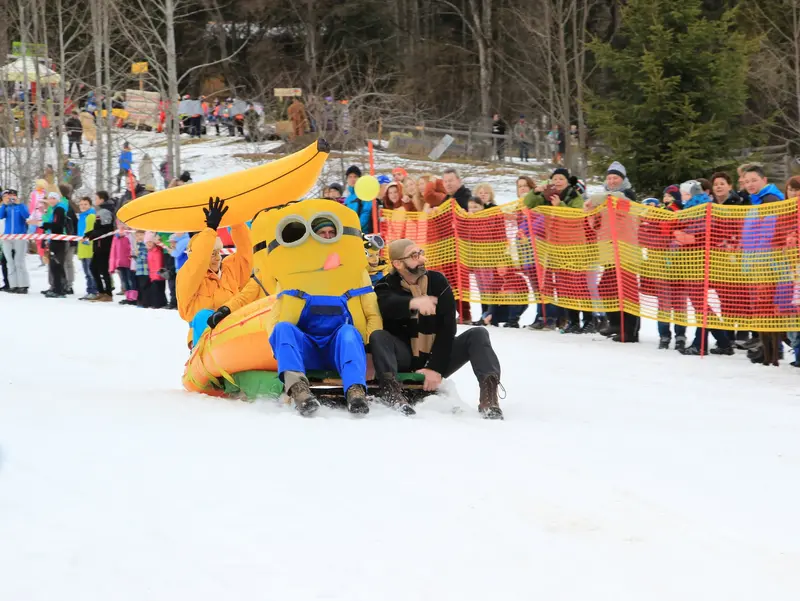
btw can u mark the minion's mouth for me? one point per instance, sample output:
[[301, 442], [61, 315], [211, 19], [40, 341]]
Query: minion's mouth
[[315, 270]]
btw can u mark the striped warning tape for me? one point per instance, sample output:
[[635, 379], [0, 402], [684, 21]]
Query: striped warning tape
[[68, 238]]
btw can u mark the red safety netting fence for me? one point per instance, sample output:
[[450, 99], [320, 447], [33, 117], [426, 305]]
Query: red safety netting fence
[[734, 268]]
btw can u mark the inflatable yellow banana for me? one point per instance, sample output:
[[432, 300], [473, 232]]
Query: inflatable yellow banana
[[245, 192], [314, 246]]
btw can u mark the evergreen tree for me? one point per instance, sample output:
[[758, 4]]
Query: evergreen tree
[[675, 91]]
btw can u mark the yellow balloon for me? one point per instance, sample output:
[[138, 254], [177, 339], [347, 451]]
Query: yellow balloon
[[367, 188]]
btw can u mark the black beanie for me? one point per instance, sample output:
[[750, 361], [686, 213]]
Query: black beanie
[[352, 169], [560, 171]]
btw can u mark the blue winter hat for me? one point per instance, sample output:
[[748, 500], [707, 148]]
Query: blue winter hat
[[652, 202], [384, 179]]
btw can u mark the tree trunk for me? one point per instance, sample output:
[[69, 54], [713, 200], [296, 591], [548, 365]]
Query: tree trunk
[[108, 88], [62, 57], [548, 43], [172, 76], [311, 44], [24, 166], [97, 37], [796, 44], [563, 76], [482, 25]]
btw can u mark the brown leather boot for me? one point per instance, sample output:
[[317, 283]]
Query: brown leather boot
[[357, 400], [305, 402], [392, 394], [489, 405]]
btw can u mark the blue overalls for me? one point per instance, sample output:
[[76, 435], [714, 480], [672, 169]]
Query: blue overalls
[[324, 338]]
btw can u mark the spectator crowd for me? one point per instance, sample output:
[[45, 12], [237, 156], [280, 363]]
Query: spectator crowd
[[146, 263]]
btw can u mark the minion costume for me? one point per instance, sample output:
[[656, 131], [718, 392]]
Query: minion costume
[[324, 336], [377, 268]]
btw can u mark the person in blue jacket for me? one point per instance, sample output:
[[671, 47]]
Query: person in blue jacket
[[16, 215], [760, 238], [125, 163], [363, 208]]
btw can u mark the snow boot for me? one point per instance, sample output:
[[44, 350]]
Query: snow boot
[[357, 400], [590, 327], [663, 343], [680, 343], [632, 337], [691, 351], [722, 350], [488, 405], [609, 331], [749, 345], [514, 323], [305, 402], [572, 328], [392, 394]]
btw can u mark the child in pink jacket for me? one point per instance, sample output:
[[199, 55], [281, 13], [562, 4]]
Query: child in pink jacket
[[120, 262], [155, 263]]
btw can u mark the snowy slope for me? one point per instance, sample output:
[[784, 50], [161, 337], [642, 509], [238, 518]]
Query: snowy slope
[[214, 156], [620, 473]]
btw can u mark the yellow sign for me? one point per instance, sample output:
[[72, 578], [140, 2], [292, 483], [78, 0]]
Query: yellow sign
[[139, 68], [287, 92]]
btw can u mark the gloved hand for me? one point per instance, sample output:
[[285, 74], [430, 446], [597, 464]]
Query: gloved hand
[[215, 212], [218, 316]]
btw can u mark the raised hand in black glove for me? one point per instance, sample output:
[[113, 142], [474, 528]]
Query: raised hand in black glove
[[215, 212], [218, 316]]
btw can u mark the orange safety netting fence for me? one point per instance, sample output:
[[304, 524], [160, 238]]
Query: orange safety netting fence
[[733, 268]]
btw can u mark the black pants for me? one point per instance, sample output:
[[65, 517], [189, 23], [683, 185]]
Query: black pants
[[196, 126], [630, 322], [4, 268], [58, 253], [523, 151], [99, 269], [173, 299], [721, 336], [122, 174], [143, 286], [390, 354], [158, 296], [77, 144]]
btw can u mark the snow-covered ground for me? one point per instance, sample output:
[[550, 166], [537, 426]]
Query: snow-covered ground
[[620, 473]]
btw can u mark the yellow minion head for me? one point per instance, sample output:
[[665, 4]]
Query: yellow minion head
[[314, 245]]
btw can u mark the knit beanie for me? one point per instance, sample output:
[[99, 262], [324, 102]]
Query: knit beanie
[[352, 169], [398, 248], [617, 168], [318, 224], [692, 188], [560, 171], [673, 191]]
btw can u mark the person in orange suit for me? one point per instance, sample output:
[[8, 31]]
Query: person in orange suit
[[206, 282], [297, 115]]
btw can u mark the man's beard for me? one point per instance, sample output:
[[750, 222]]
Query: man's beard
[[418, 271]]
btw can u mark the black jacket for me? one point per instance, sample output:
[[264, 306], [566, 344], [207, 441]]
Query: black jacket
[[74, 129], [735, 199], [394, 301], [104, 224], [462, 196], [58, 221]]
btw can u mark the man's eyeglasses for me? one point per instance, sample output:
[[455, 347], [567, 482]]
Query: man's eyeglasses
[[415, 255]]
